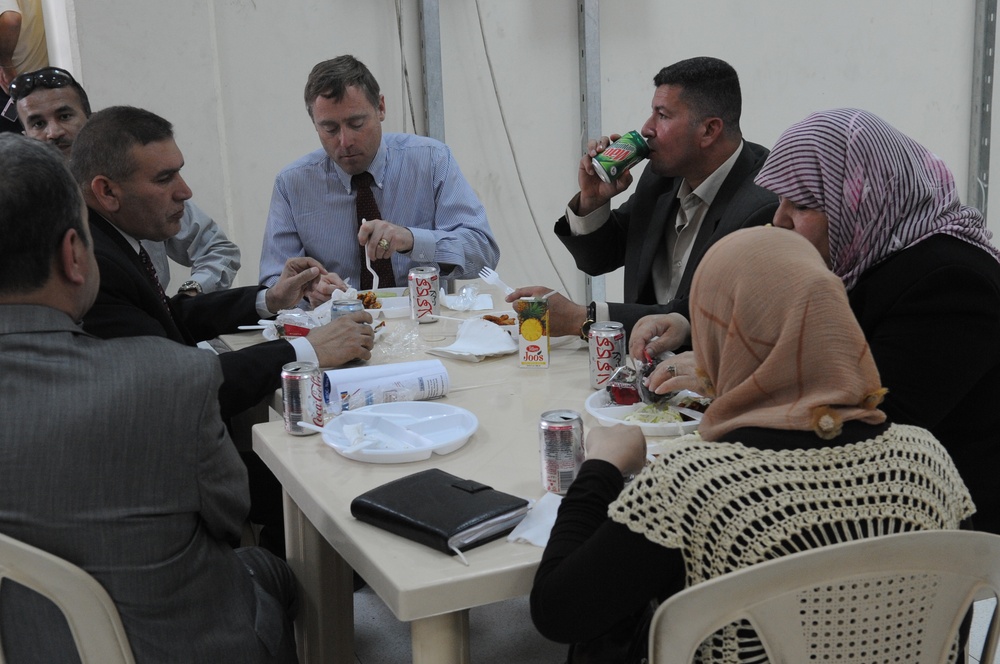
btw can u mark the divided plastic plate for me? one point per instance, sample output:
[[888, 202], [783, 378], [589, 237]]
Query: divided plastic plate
[[608, 413], [402, 432], [396, 305]]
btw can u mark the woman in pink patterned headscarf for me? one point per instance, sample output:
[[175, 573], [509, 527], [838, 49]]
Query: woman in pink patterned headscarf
[[922, 276]]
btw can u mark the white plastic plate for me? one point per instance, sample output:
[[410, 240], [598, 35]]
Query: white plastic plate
[[608, 413], [403, 432]]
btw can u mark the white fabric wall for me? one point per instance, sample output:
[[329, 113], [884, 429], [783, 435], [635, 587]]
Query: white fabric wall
[[229, 74]]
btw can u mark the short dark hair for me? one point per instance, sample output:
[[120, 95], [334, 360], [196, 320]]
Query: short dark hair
[[42, 78], [103, 146], [710, 88], [39, 202], [331, 78]]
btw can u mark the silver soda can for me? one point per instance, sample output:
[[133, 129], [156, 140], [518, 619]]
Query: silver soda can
[[620, 156], [560, 438], [425, 290], [607, 351], [340, 307], [302, 394]]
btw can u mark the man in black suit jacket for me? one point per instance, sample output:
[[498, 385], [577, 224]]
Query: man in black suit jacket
[[128, 166], [697, 187]]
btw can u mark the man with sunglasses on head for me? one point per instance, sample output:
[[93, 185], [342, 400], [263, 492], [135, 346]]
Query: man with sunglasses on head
[[53, 107]]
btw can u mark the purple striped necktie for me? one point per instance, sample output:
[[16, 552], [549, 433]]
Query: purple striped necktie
[[367, 208]]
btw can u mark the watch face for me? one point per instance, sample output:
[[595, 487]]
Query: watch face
[[189, 286]]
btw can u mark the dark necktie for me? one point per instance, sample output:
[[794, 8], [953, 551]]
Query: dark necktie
[[367, 208], [151, 273]]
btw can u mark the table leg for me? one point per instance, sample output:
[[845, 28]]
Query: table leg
[[324, 628], [441, 639]]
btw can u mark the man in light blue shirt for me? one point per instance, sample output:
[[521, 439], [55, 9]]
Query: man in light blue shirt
[[430, 214]]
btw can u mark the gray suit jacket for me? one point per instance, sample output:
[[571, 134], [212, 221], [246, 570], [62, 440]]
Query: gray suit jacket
[[114, 457]]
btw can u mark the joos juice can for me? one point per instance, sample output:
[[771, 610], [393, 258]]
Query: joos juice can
[[533, 331], [607, 351], [425, 288], [621, 155]]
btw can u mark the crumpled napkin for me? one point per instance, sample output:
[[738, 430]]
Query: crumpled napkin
[[476, 340], [537, 524]]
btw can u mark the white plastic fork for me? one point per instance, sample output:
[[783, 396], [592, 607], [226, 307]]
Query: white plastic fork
[[368, 264], [491, 277]]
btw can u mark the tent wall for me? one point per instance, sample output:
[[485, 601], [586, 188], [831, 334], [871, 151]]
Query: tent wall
[[229, 74]]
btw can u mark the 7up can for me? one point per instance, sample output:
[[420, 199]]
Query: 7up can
[[621, 155]]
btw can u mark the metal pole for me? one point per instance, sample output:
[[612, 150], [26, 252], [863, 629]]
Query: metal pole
[[982, 98], [430, 52], [590, 101]]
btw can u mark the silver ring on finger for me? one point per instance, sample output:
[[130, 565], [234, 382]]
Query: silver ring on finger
[[672, 370]]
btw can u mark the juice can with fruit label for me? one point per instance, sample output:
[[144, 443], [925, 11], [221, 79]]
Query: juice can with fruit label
[[620, 156], [533, 331]]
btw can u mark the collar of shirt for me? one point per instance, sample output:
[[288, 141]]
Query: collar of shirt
[[132, 242], [377, 168], [707, 190]]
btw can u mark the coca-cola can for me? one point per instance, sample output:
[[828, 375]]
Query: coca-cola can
[[425, 290], [560, 439], [607, 351], [302, 394]]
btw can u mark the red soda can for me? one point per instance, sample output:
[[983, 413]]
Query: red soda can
[[607, 351], [560, 438], [302, 396], [425, 288]]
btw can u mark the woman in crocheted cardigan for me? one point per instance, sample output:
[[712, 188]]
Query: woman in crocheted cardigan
[[922, 276], [791, 454]]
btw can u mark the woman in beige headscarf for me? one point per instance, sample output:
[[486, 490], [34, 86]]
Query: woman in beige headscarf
[[792, 454]]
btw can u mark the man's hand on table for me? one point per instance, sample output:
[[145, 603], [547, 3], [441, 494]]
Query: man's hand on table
[[322, 288], [381, 238], [345, 338], [565, 316], [297, 278], [622, 445]]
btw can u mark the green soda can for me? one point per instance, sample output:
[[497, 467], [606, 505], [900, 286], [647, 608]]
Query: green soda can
[[621, 155]]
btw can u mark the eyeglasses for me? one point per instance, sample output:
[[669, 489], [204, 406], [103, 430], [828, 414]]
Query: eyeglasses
[[48, 77]]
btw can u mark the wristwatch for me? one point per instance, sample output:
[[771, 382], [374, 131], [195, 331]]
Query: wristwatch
[[591, 319], [190, 285]]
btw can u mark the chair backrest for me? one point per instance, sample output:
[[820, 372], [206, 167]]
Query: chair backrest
[[897, 598], [91, 615]]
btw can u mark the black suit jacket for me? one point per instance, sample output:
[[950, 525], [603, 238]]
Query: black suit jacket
[[931, 314], [128, 305], [633, 234]]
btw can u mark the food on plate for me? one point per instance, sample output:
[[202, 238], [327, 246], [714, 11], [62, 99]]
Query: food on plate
[[654, 413], [693, 402], [502, 319], [369, 299]]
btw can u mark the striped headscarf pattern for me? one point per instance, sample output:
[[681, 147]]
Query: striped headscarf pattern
[[881, 190]]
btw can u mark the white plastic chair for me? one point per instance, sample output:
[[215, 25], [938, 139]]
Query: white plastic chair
[[897, 598], [91, 615]]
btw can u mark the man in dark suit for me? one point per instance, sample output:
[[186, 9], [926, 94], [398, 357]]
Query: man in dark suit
[[697, 187], [107, 464], [128, 166]]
